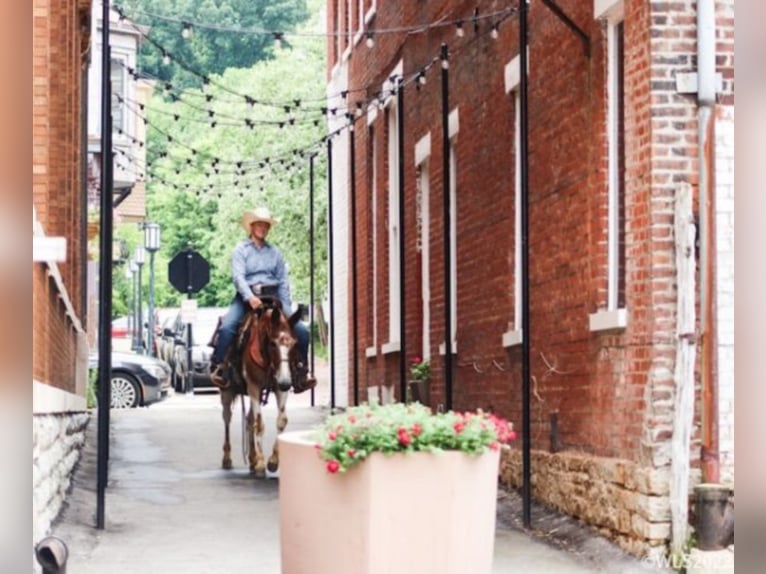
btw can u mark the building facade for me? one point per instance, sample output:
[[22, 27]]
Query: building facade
[[61, 43], [614, 136]]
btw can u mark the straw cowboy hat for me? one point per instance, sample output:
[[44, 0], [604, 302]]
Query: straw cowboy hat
[[258, 214]]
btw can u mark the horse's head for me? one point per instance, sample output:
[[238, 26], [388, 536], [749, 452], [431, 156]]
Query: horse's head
[[277, 341]]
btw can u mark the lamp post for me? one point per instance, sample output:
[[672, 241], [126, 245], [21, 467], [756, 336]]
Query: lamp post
[[152, 244], [138, 257], [133, 267]]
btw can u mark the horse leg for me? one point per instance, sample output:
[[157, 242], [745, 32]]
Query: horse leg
[[281, 424], [226, 400], [257, 465]]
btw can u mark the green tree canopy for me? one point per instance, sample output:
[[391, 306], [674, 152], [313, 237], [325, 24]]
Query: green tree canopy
[[210, 51]]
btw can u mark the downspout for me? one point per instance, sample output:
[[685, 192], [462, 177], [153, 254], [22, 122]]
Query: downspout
[[706, 99]]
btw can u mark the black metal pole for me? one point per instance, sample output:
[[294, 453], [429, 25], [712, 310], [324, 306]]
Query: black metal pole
[[105, 274], [354, 274], [140, 322], [189, 335], [526, 489], [447, 231], [331, 274], [311, 271], [402, 291]]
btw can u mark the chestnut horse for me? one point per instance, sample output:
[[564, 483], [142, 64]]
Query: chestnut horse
[[261, 361]]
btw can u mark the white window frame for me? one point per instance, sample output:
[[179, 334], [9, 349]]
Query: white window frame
[[123, 124], [372, 115], [392, 223], [515, 336], [422, 164], [453, 130], [612, 316]]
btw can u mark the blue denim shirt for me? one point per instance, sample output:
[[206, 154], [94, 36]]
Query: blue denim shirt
[[251, 264]]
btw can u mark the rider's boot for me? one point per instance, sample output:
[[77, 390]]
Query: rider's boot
[[217, 375]]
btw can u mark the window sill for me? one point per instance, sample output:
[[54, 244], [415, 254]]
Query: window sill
[[371, 352], [605, 320], [391, 347], [443, 348], [513, 338]]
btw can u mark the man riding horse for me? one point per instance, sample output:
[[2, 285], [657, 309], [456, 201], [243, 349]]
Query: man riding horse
[[261, 279]]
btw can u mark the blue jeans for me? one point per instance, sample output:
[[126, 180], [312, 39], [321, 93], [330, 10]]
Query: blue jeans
[[229, 325]]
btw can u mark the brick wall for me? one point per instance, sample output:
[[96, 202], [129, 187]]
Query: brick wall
[[611, 391], [60, 37]]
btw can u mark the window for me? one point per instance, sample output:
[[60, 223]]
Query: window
[[372, 239], [614, 315], [514, 335], [392, 214], [119, 92], [454, 127], [423, 218]]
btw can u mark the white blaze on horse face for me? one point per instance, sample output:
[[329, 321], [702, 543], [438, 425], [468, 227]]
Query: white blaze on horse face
[[283, 371]]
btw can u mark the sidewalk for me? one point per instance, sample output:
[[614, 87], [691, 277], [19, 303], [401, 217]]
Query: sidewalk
[[171, 509]]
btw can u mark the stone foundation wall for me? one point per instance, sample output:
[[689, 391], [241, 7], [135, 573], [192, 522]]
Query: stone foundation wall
[[625, 502], [56, 443]]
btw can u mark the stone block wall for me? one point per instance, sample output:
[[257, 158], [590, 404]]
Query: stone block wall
[[56, 443], [624, 501]]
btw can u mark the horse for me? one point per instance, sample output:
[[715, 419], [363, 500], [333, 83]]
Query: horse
[[262, 360]]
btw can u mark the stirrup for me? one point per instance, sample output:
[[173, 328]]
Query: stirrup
[[217, 378]]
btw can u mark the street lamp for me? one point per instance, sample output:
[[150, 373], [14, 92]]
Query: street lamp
[[133, 269], [138, 257], [129, 277], [152, 244]]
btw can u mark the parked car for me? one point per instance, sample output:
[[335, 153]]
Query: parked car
[[137, 380], [203, 329], [164, 317]]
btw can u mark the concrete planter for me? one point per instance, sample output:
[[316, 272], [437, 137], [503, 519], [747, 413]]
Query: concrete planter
[[403, 513]]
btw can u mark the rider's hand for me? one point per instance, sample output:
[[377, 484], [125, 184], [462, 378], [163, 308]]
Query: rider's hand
[[255, 302]]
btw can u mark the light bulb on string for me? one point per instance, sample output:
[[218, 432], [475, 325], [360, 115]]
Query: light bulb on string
[[278, 37], [186, 31], [370, 40], [459, 32], [494, 33], [165, 58]]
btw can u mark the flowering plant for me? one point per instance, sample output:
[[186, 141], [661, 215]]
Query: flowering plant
[[420, 370], [347, 439]]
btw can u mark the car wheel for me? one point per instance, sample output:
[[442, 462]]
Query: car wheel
[[125, 391]]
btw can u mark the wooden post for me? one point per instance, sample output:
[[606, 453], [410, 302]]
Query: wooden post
[[683, 412]]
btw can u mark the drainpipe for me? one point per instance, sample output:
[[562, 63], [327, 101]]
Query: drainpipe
[[706, 93]]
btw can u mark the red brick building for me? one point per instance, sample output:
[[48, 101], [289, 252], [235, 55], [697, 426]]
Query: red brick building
[[613, 142], [61, 43]]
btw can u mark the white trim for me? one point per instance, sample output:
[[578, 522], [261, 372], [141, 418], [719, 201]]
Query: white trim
[[53, 271], [47, 399], [604, 320], [613, 185], [372, 115], [443, 348], [346, 54], [513, 73], [373, 141], [517, 271], [424, 191], [611, 9], [49, 249], [371, 352], [453, 123], [422, 149], [357, 37], [388, 85], [393, 233], [513, 338], [370, 13], [391, 347]]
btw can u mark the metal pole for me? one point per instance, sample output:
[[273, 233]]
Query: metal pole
[[311, 271], [402, 292], [354, 274], [105, 272], [150, 330], [331, 277], [189, 383], [446, 175], [526, 489], [140, 323]]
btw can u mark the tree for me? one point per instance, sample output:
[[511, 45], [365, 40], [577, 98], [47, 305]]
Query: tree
[[210, 51]]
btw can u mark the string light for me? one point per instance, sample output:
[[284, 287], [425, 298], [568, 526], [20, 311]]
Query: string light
[[186, 31], [370, 40], [494, 32], [165, 58], [459, 30], [278, 37]]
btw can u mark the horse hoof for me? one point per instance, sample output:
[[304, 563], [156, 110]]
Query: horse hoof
[[284, 387], [226, 465], [258, 472], [273, 466]]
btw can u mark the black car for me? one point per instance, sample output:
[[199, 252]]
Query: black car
[[137, 380]]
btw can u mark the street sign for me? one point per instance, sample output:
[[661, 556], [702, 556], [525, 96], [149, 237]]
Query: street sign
[[188, 271], [188, 310]]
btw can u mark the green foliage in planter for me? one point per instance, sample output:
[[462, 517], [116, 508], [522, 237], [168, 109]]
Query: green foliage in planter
[[347, 439]]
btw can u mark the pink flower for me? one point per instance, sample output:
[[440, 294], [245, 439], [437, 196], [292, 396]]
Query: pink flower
[[458, 426], [404, 437], [417, 360], [494, 446], [333, 466], [351, 453], [417, 429], [352, 419], [333, 435]]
